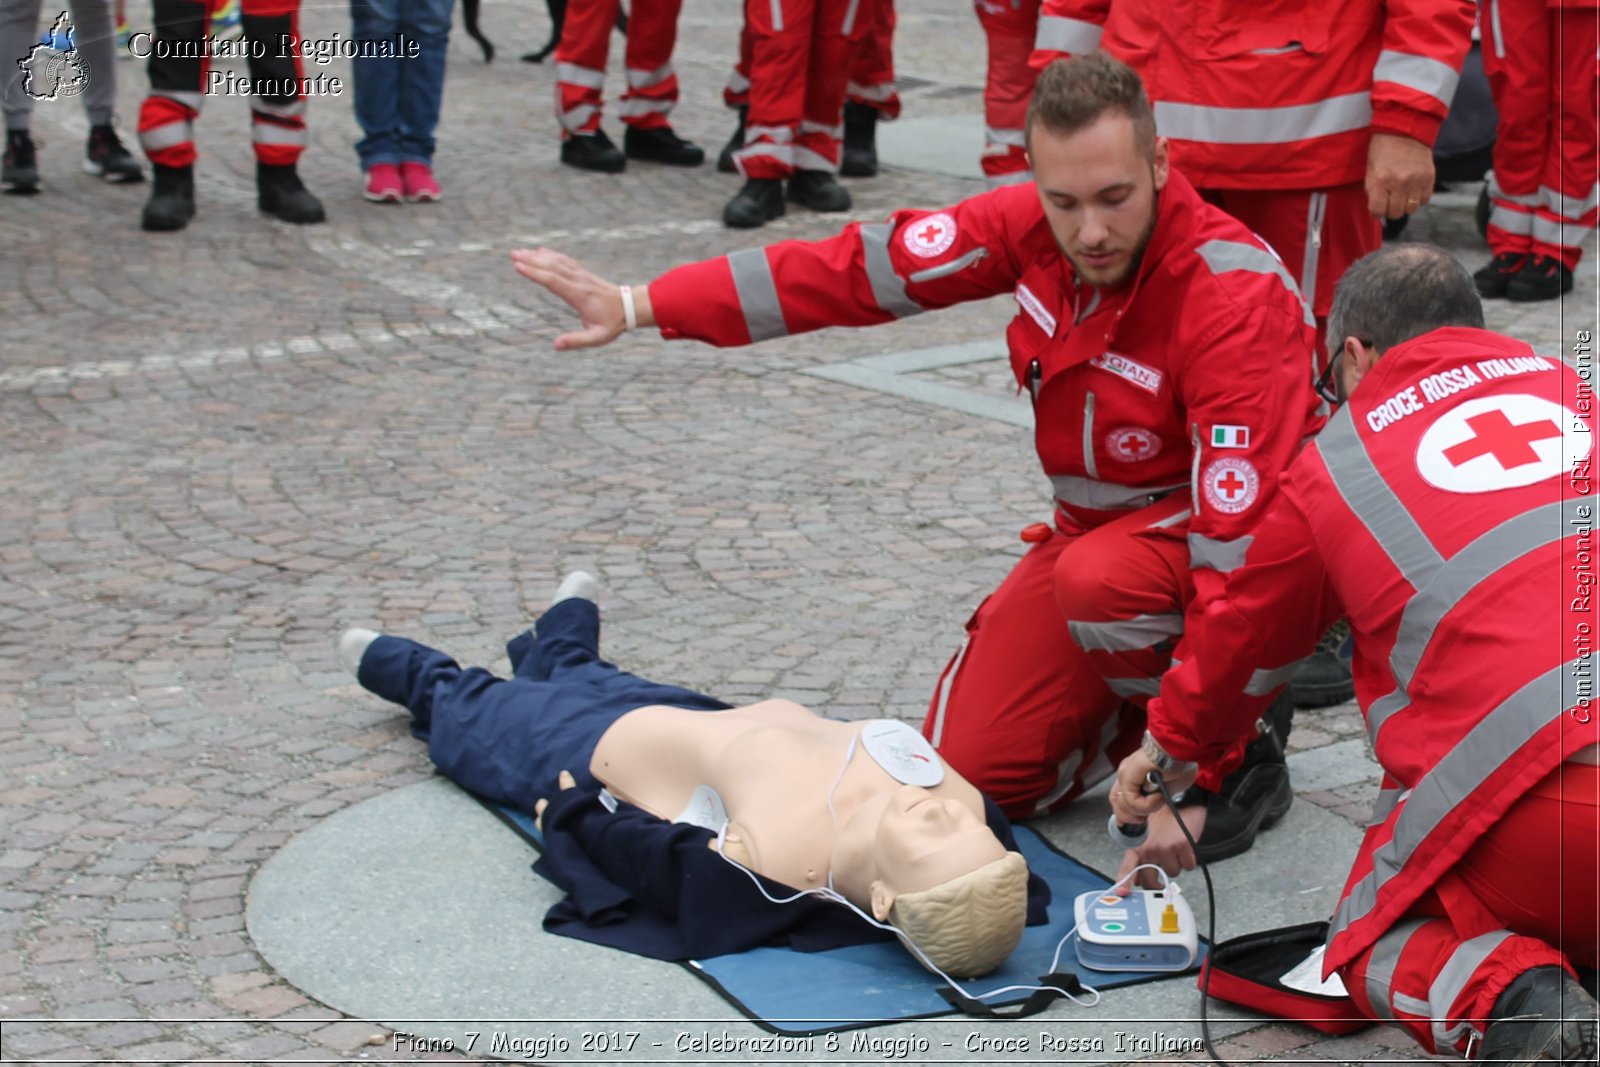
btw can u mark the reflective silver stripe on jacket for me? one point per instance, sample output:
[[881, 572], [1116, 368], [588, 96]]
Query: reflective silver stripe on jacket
[[758, 294], [1424, 75], [1265, 680], [1057, 34], [1265, 125], [1465, 768], [1221, 556], [1124, 635], [1373, 502], [888, 288], [1105, 496], [1224, 256]]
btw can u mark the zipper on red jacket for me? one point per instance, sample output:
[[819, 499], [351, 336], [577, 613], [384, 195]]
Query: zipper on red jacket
[[1035, 375], [1090, 467]]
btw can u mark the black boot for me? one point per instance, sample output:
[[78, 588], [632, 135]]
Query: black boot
[[171, 204], [1541, 278], [106, 156], [818, 190], [280, 194], [19, 172], [860, 158], [1323, 678], [1492, 278], [760, 201], [736, 142], [593, 151], [661, 144], [1542, 1017], [1254, 796]]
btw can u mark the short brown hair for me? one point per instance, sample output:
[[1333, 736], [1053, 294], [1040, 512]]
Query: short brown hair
[[1073, 94]]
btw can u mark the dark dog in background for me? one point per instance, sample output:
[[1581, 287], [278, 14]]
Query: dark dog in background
[[558, 16]]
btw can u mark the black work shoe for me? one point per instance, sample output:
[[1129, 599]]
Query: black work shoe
[[818, 190], [1541, 278], [1323, 679], [171, 203], [1542, 1017], [19, 172], [661, 145], [860, 155], [106, 157], [592, 151], [725, 158], [1254, 797], [759, 202], [1492, 279], [279, 193]]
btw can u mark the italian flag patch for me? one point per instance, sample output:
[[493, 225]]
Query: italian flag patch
[[1230, 437]]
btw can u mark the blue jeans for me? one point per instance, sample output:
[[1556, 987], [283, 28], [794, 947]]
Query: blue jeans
[[397, 97], [509, 738]]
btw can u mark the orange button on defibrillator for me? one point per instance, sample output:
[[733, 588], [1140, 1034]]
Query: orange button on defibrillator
[[1036, 533]]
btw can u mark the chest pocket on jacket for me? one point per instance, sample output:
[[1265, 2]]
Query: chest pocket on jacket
[[1042, 316], [1226, 28]]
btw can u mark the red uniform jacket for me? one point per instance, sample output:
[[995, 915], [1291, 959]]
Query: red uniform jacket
[[1448, 512], [1195, 376], [1279, 94]]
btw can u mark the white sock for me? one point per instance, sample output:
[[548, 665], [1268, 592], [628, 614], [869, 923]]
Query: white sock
[[578, 584], [353, 645]]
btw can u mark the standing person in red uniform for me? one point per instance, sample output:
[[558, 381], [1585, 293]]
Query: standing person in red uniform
[[1540, 58], [1448, 511], [1009, 28], [1306, 121], [799, 67], [178, 72], [652, 86], [1169, 358], [870, 93]]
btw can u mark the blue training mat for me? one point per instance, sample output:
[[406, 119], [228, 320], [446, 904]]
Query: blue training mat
[[789, 992]]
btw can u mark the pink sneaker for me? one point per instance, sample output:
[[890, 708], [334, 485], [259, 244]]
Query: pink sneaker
[[419, 183], [383, 183]]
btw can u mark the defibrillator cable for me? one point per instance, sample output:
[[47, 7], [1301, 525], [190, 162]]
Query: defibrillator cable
[[1154, 779]]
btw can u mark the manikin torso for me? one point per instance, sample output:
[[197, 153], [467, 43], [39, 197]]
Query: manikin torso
[[774, 764]]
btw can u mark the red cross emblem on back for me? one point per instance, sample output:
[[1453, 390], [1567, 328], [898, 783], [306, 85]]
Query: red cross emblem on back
[[1511, 444]]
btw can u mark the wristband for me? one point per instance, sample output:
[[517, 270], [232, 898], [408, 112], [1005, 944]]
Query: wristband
[[630, 317], [1163, 762]]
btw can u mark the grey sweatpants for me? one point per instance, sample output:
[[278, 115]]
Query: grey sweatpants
[[94, 36]]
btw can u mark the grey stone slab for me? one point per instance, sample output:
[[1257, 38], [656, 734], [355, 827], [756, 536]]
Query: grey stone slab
[[1333, 766], [417, 909], [937, 144]]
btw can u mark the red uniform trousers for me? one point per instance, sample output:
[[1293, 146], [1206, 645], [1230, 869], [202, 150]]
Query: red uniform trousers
[[1527, 895], [1544, 75], [1047, 693], [871, 79], [1009, 27], [1317, 233], [581, 64], [799, 50], [178, 85]]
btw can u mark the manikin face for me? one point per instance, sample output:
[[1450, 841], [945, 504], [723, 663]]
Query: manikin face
[[1099, 195], [923, 840]]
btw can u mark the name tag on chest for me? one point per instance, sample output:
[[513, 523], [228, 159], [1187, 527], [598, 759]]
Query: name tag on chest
[[1128, 369]]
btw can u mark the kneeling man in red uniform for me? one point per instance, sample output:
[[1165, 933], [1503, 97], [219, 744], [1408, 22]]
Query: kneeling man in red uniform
[[1448, 512]]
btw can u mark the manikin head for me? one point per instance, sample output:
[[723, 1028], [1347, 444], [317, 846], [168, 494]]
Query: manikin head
[[935, 871], [1387, 297], [1097, 164]]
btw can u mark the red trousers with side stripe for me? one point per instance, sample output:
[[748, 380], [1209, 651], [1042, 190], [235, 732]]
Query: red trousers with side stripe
[[581, 56], [178, 85], [871, 81], [1047, 694], [1009, 29], [1527, 895], [1544, 76]]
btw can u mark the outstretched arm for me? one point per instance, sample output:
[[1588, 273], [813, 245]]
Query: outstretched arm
[[599, 303]]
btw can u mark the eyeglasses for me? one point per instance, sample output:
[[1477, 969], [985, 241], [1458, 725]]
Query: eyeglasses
[[1327, 383]]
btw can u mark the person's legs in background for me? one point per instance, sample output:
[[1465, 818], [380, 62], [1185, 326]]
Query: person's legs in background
[[653, 87], [1009, 30], [376, 87], [278, 121], [581, 58], [1518, 62], [427, 22], [870, 94]]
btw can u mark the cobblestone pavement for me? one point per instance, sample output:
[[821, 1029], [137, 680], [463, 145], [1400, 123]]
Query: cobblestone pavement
[[223, 446]]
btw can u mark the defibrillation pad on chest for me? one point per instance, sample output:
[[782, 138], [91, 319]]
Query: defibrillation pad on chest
[[903, 752], [705, 809]]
